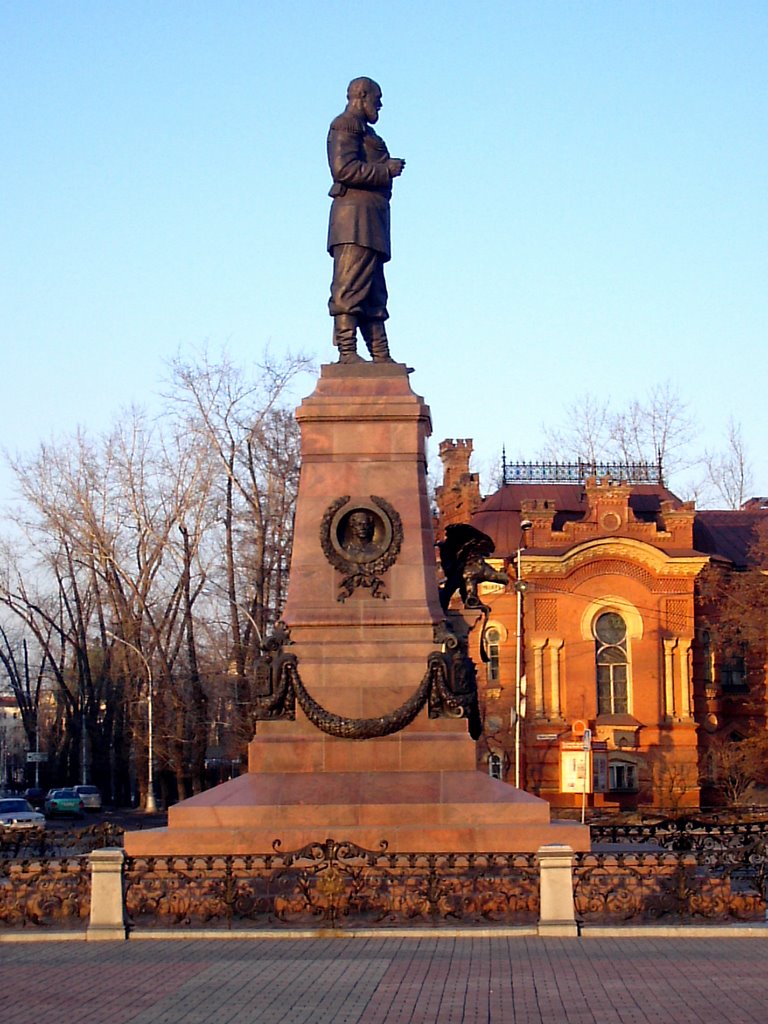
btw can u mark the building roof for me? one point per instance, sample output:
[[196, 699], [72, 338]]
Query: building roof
[[499, 514], [729, 533]]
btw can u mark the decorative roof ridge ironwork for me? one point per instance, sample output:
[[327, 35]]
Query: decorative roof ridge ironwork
[[578, 472]]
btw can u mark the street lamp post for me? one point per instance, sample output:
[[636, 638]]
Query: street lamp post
[[37, 744], [83, 738], [151, 806], [520, 588]]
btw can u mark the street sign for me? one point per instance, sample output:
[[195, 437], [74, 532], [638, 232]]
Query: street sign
[[36, 757]]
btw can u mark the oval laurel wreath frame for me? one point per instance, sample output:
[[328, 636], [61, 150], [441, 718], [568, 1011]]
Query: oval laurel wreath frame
[[376, 566]]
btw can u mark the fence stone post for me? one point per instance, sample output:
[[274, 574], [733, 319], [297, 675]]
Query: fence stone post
[[557, 913], [107, 904]]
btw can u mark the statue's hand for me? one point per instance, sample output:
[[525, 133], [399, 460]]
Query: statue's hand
[[395, 168]]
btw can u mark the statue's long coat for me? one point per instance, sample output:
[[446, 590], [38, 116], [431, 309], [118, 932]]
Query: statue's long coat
[[362, 186]]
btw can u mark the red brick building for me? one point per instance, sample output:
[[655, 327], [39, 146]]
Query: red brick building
[[612, 637]]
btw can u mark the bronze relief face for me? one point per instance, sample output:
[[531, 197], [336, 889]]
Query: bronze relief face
[[361, 538], [362, 534]]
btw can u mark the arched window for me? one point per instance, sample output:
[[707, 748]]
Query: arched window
[[611, 664], [492, 650], [495, 766]]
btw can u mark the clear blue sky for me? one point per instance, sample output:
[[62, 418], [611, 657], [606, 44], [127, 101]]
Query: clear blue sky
[[585, 205]]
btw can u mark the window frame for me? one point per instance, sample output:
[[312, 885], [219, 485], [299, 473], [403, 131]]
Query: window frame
[[628, 767], [496, 766], [492, 643], [617, 705], [732, 671]]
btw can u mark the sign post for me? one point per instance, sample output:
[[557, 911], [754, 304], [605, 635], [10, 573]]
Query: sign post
[[36, 757], [587, 741]]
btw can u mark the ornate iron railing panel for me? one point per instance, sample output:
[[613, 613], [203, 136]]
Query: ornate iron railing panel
[[46, 843], [54, 893], [716, 884], [578, 472], [332, 885], [682, 834]]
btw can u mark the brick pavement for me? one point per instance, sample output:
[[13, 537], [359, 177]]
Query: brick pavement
[[505, 979]]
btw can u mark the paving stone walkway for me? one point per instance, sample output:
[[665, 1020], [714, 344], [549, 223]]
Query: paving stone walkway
[[501, 980]]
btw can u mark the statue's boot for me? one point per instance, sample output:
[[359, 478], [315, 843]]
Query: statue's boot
[[376, 339], [345, 338]]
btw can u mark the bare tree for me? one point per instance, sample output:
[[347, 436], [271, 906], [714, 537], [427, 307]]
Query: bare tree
[[141, 544], [24, 680], [116, 526], [728, 471], [655, 429], [255, 443], [585, 433], [672, 779], [734, 766]]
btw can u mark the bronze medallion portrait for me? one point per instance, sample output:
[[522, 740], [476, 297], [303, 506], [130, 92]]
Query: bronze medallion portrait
[[361, 538]]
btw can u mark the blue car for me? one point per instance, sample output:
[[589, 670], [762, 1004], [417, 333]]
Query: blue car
[[63, 803]]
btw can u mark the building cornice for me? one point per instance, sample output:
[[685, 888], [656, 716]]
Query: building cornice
[[624, 549]]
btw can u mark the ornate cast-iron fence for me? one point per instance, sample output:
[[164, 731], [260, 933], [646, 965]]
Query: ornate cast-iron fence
[[683, 834], [578, 472], [726, 883], [46, 843], [42, 892], [332, 885], [688, 873], [45, 877], [682, 868]]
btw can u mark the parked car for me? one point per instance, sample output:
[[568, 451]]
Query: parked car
[[15, 812], [90, 796], [63, 802], [35, 795]]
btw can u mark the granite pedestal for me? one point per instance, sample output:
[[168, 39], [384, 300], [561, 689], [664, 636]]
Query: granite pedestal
[[362, 653]]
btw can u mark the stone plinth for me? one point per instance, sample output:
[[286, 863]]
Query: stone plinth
[[361, 657], [430, 811]]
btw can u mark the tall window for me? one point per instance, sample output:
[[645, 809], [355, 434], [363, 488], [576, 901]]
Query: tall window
[[495, 766], [611, 664], [705, 639], [492, 648], [707, 663], [733, 670]]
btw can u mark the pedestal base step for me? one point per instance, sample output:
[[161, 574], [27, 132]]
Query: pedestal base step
[[438, 812]]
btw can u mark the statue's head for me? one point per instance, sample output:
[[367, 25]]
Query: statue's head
[[361, 527], [364, 98]]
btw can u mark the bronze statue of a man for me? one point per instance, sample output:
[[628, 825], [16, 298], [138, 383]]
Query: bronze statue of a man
[[358, 232]]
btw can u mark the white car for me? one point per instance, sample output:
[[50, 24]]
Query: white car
[[90, 796], [18, 813]]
